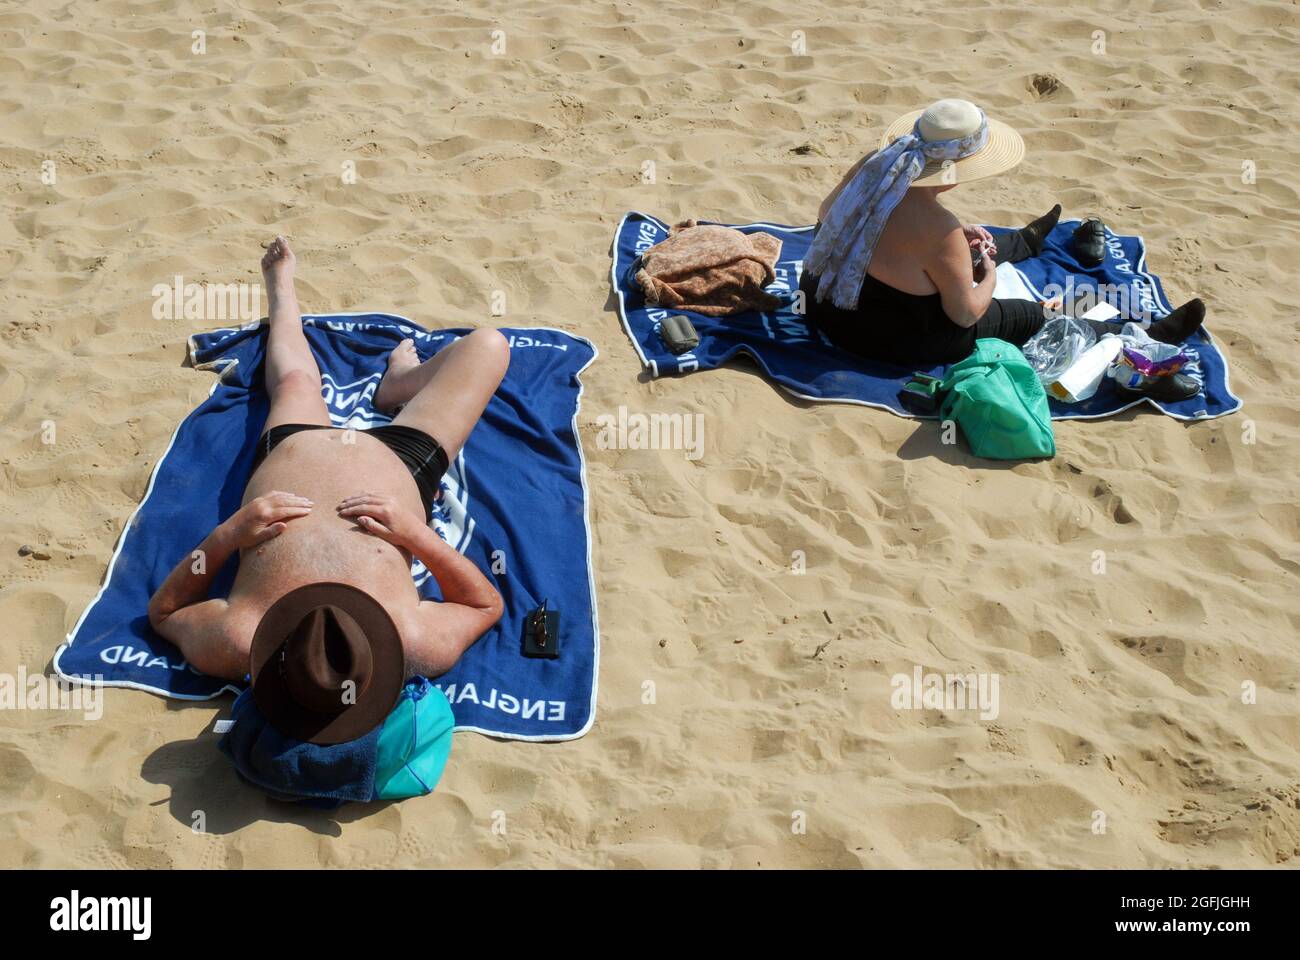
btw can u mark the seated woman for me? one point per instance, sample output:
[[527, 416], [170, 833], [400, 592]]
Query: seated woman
[[891, 273]]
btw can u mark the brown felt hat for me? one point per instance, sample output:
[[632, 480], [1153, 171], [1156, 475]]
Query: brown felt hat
[[326, 663]]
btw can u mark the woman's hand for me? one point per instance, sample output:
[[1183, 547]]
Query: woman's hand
[[264, 517], [950, 269], [987, 272], [382, 516], [978, 235]]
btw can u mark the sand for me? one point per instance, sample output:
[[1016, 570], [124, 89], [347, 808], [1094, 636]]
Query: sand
[[1121, 738]]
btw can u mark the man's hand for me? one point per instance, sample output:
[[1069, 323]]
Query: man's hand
[[265, 517], [470, 604], [180, 610], [382, 516], [976, 234]]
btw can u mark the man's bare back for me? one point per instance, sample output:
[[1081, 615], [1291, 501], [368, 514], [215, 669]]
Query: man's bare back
[[339, 505]]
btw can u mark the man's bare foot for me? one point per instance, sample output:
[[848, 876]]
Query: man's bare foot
[[278, 265], [397, 387]]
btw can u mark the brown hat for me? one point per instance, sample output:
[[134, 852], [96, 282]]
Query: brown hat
[[327, 663]]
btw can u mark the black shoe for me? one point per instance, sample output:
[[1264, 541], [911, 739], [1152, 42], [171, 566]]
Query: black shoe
[[1090, 242], [1170, 389]]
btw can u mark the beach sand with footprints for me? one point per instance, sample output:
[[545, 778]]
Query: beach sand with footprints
[[1121, 737]]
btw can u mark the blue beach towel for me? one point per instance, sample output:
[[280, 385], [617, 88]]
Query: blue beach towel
[[514, 502], [801, 360]]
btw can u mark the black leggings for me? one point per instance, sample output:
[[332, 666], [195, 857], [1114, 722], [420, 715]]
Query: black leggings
[[1017, 320]]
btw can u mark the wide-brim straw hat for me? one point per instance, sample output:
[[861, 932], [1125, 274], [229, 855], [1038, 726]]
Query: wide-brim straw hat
[[949, 120]]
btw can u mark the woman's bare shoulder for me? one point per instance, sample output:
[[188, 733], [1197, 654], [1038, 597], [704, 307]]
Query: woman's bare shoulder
[[927, 226], [940, 219]]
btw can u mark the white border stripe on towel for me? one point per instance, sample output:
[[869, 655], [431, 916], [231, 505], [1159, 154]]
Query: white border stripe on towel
[[223, 366], [653, 367]]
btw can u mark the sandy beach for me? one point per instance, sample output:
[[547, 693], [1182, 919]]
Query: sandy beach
[[496, 147]]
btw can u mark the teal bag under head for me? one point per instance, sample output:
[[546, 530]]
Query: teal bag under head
[[414, 742], [995, 396], [402, 757]]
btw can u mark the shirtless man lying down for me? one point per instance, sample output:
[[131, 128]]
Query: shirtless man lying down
[[327, 504]]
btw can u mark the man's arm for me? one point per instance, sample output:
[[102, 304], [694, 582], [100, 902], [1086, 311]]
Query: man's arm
[[212, 640], [256, 521], [470, 604], [470, 607], [180, 610], [443, 632], [461, 582], [189, 581]]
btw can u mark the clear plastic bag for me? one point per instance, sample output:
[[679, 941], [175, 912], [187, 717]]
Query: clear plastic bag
[[1058, 344]]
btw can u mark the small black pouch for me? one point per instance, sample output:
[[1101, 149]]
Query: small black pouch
[[921, 394], [542, 633], [678, 333]]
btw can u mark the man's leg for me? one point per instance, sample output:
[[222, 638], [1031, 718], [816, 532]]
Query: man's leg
[[292, 377], [445, 395]]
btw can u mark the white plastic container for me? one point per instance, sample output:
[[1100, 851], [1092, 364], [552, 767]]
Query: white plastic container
[[1081, 379]]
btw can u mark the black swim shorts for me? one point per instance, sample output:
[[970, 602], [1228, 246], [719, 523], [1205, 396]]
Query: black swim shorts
[[422, 454]]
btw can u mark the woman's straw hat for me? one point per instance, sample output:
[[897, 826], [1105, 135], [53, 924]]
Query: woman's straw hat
[[950, 120]]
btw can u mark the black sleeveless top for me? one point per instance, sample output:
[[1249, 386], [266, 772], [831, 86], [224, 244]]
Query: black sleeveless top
[[907, 329]]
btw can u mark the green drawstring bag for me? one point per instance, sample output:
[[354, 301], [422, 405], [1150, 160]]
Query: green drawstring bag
[[995, 397]]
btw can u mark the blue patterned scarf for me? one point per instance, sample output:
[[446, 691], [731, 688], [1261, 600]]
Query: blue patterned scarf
[[845, 241]]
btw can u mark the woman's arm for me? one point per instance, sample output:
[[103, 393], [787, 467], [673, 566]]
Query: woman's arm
[[950, 271]]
